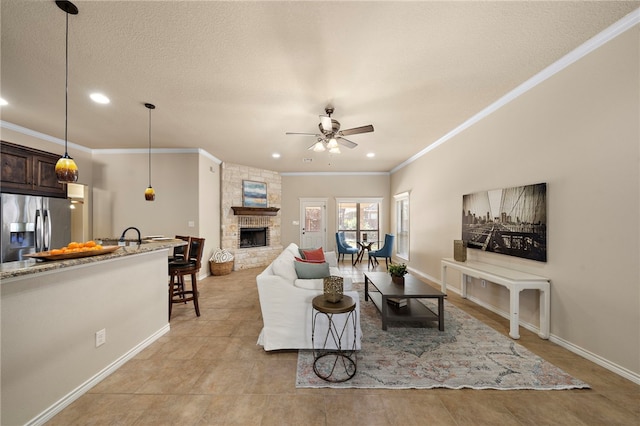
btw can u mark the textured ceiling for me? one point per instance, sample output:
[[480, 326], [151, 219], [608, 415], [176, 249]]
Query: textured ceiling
[[233, 77]]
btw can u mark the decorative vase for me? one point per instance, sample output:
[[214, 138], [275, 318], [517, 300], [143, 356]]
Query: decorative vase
[[459, 251], [397, 280], [333, 287]]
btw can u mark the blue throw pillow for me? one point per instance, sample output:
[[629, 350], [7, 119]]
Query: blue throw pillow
[[311, 270]]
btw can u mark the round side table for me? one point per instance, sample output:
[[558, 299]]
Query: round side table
[[339, 364]]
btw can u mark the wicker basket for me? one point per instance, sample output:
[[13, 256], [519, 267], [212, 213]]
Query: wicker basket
[[223, 268]]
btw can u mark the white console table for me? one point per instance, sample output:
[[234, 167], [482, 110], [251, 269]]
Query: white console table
[[513, 280]]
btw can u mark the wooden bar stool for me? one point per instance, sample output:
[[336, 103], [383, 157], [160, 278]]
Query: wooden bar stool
[[180, 254], [178, 269]]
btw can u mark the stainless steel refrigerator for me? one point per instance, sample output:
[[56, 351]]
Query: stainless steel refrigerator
[[33, 224]]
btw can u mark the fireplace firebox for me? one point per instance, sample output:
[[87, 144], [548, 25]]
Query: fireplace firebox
[[253, 237]]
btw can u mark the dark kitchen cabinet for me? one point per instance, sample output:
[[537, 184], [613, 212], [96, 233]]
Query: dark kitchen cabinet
[[30, 171]]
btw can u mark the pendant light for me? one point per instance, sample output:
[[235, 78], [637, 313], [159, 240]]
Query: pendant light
[[149, 193], [66, 169]]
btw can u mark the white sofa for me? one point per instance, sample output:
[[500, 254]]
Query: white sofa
[[285, 301]]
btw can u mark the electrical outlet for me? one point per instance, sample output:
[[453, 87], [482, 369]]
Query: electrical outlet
[[101, 337], [484, 284], [191, 224]]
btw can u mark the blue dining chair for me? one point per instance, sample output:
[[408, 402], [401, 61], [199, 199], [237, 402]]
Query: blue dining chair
[[385, 251], [343, 247]]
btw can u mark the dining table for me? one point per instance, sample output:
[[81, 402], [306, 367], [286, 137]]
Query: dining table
[[364, 246]]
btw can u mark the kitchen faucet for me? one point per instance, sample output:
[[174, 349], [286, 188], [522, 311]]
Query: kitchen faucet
[[125, 231]]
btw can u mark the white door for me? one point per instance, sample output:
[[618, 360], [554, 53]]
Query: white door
[[313, 229]]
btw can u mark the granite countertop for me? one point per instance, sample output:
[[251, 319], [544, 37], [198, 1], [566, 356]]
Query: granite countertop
[[33, 266]]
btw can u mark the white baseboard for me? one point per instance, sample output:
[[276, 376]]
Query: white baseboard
[[65, 401], [596, 359]]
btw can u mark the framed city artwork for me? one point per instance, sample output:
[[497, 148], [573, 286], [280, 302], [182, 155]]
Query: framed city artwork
[[254, 194], [511, 221]]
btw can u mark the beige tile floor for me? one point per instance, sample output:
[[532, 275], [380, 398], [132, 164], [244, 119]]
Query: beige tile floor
[[209, 371]]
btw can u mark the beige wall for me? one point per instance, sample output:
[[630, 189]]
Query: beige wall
[[578, 132], [118, 191], [330, 186], [187, 189]]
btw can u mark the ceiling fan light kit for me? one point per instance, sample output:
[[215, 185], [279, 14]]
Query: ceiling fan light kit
[[318, 147], [330, 136]]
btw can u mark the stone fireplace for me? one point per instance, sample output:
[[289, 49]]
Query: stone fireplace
[[251, 234], [253, 237], [254, 231]]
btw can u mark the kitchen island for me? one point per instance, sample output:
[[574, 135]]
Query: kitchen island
[[28, 267], [53, 314]]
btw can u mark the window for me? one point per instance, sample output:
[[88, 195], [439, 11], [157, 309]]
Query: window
[[360, 221], [402, 225]]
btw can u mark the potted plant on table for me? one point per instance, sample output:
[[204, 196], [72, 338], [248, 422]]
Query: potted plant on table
[[397, 272]]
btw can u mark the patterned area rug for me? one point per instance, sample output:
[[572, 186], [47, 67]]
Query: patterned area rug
[[468, 354]]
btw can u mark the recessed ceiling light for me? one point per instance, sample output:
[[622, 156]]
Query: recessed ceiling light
[[3, 102], [371, 155], [99, 98], [275, 155]]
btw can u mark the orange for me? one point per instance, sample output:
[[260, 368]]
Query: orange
[[56, 251], [73, 245], [90, 243]]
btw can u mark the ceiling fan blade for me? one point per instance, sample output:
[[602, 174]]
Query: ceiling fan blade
[[325, 122], [304, 134], [356, 130], [346, 142]]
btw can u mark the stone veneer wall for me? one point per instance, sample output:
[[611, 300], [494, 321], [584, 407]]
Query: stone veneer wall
[[231, 196]]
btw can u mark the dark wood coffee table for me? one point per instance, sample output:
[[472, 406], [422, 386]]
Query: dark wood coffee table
[[413, 288]]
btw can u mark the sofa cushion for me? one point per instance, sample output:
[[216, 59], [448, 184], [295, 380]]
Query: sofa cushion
[[301, 251], [317, 254], [306, 270], [293, 249], [309, 261], [283, 266], [318, 284]]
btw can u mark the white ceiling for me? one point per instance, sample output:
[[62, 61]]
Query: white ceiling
[[233, 77]]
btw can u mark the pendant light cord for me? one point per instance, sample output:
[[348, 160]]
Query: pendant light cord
[[149, 147], [66, 86]]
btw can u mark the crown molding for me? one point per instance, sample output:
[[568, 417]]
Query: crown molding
[[48, 138], [335, 173], [613, 31], [41, 136]]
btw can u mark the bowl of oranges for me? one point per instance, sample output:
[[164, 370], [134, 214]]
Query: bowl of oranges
[[74, 250]]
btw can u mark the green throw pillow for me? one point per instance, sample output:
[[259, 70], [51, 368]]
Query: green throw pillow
[[311, 270]]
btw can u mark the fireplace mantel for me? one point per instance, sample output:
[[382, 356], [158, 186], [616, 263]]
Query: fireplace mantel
[[255, 211]]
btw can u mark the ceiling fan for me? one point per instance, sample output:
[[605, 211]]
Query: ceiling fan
[[330, 136]]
